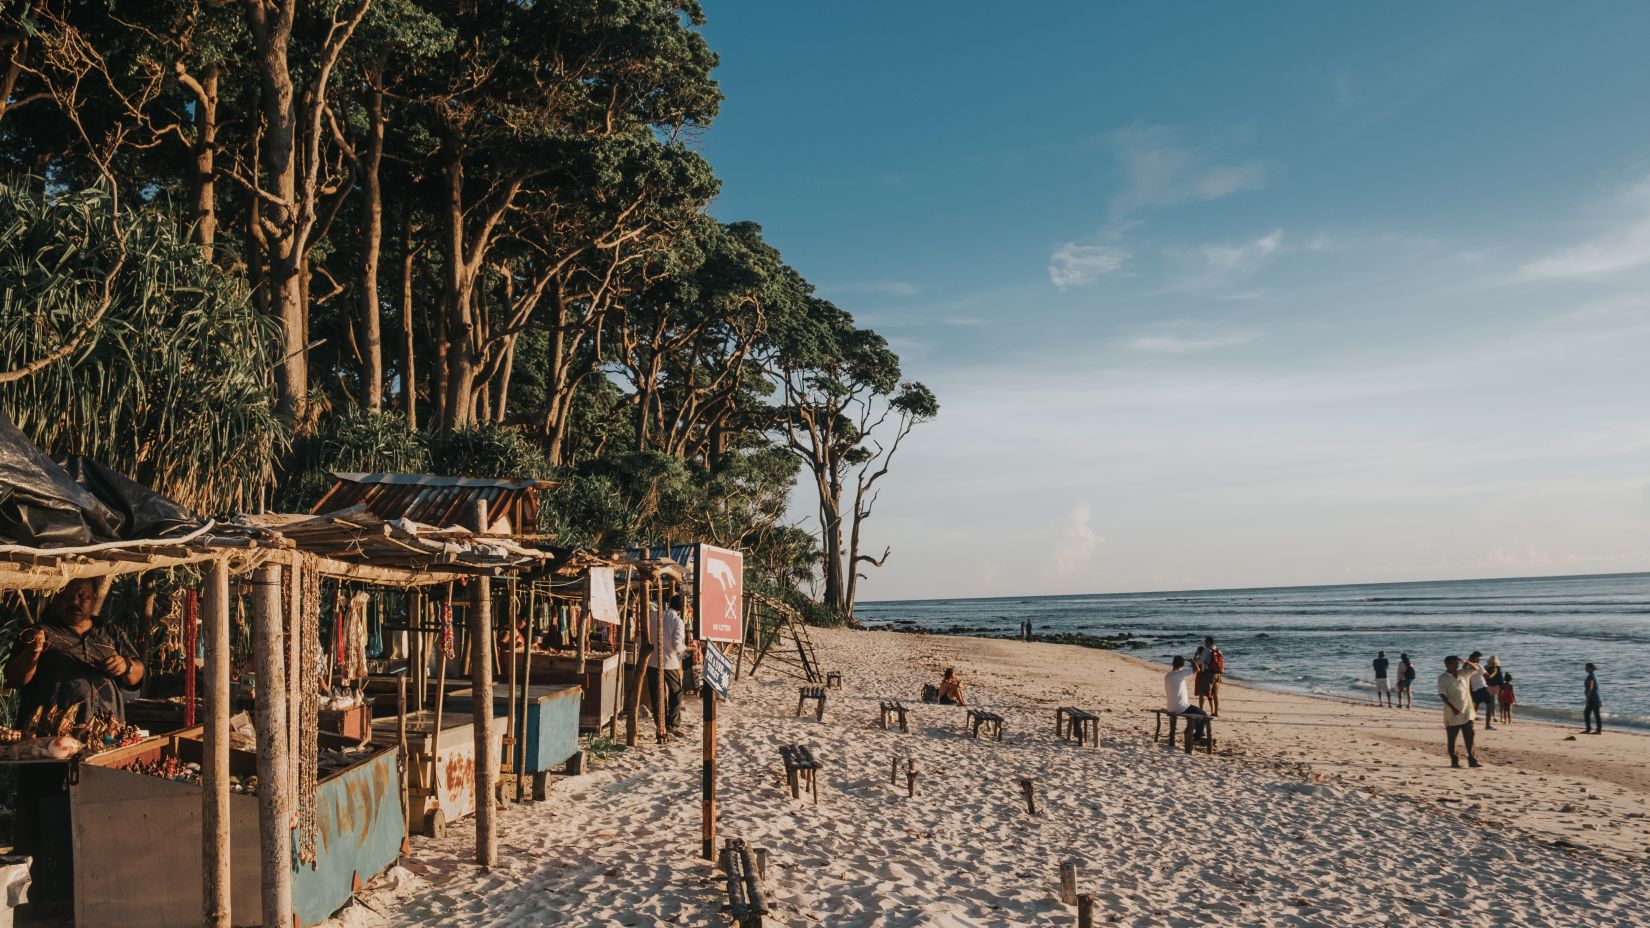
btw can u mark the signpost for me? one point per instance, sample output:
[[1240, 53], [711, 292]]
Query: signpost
[[719, 600]]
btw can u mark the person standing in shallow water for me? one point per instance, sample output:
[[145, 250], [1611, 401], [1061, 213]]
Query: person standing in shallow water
[[1406, 682], [1593, 715], [1459, 710], [1382, 689]]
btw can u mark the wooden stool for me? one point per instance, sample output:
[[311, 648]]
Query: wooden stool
[[833, 679], [745, 902], [978, 718], [1174, 718], [895, 708], [816, 693], [1074, 724], [801, 768]]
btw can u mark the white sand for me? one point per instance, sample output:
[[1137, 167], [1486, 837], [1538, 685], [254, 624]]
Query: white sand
[[1311, 813]]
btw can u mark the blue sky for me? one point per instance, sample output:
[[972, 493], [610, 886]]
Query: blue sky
[[1223, 294]]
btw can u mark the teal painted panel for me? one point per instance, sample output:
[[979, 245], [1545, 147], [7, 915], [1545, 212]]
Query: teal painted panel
[[552, 729], [360, 828]]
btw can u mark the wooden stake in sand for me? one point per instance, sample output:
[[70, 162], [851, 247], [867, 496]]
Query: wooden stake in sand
[[1068, 882], [215, 755], [910, 777], [481, 708], [1028, 786], [1085, 911], [707, 848]]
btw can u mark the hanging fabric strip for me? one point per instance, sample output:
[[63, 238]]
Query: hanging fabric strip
[[310, 660]]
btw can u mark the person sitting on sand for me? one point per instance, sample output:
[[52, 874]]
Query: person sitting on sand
[[1382, 689], [951, 693], [1179, 703], [1459, 712], [1406, 682], [1507, 698], [1210, 665]]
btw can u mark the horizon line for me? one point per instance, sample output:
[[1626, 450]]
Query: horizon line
[[1255, 589]]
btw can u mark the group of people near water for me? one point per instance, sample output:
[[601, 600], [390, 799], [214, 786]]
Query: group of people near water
[[1467, 686]]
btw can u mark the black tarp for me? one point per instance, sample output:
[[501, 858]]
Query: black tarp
[[46, 505]]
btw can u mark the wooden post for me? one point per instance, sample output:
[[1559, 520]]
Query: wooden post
[[707, 846], [1085, 911], [297, 650], [910, 777], [215, 756], [583, 631], [513, 732], [274, 801], [1068, 882], [761, 857], [659, 672], [1029, 787], [481, 709], [401, 741], [639, 667], [893, 769], [526, 678]]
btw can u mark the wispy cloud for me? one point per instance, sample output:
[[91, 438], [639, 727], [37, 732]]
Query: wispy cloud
[[873, 288], [1160, 170], [1224, 264], [1075, 543], [1189, 342], [1623, 246], [1073, 265], [965, 321]]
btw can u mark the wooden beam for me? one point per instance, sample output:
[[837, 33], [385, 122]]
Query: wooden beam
[[274, 798], [481, 708], [215, 760]]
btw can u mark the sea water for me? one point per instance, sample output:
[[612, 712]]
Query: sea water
[[1322, 640]]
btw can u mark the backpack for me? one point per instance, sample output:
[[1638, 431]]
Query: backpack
[[1217, 662]]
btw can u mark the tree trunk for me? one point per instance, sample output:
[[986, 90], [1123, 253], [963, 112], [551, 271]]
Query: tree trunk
[[409, 378], [458, 405], [372, 367], [205, 214], [271, 26]]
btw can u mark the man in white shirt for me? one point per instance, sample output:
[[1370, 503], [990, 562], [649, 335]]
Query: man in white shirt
[[667, 653], [1175, 688], [1474, 669], [1459, 711]]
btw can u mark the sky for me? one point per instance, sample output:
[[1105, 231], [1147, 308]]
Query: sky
[[1218, 294]]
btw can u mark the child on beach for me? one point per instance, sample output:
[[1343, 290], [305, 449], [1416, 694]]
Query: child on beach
[[1507, 698]]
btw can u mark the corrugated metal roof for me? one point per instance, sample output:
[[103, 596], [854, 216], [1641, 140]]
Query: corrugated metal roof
[[512, 505]]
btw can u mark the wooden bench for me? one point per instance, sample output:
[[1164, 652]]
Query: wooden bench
[[816, 693], [980, 718], [894, 707], [1174, 718], [800, 767], [745, 902], [833, 679], [1074, 724]]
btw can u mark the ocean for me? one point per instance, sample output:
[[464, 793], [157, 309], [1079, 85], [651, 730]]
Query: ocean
[[1321, 640]]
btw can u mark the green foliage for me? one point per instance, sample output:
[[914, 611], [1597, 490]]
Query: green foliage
[[171, 384], [495, 451], [354, 441]]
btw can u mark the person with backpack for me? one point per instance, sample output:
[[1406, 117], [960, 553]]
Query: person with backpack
[[1211, 666], [1406, 682]]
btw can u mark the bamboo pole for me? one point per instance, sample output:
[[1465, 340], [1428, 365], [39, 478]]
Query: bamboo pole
[[215, 757], [481, 709], [513, 731], [296, 652], [526, 678], [659, 672], [633, 708], [274, 799]]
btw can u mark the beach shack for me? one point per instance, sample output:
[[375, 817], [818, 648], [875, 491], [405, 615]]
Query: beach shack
[[250, 864]]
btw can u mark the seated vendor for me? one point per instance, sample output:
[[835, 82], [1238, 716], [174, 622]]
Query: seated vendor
[[73, 658], [951, 693]]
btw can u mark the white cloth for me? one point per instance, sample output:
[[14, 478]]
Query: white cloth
[[1478, 680], [1454, 689], [1175, 684], [675, 641]]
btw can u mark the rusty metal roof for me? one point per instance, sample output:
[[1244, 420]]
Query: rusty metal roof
[[438, 501]]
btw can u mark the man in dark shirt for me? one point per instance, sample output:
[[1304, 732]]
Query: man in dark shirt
[[71, 659], [1382, 690], [1593, 715]]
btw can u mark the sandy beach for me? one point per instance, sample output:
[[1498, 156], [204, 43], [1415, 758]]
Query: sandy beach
[[1310, 812]]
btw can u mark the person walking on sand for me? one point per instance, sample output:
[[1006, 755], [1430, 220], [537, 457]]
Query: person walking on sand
[[1406, 682], [1593, 715], [1382, 690], [1480, 689], [1210, 666], [1492, 682], [1459, 711]]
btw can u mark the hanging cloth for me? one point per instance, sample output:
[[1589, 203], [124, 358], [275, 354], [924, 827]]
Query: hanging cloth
[[354, 639]]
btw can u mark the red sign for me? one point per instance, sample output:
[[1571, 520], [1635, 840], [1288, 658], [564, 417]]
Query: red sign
[[719, 594]]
